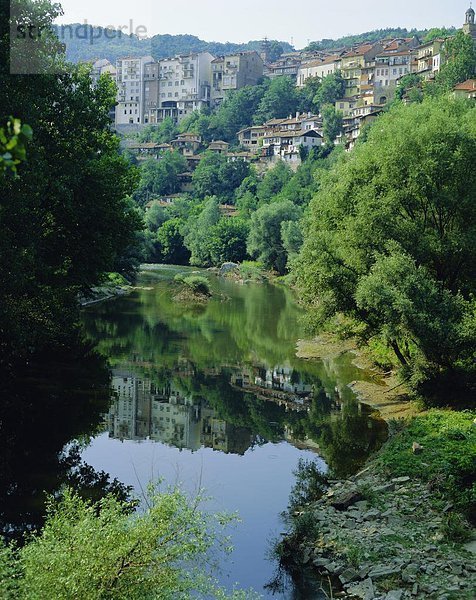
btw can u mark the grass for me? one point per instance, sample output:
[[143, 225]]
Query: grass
[[448, 460]]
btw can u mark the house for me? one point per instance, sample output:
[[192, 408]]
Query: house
[[130, 95], [145, 150], [288, 65], [286, 142], [187, 143], [352, 65], [184, 85], [467, 89], [346, 105], [219, 147], [251, 136]]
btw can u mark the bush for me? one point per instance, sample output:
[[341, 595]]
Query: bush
[[196, 283], [100, 551]]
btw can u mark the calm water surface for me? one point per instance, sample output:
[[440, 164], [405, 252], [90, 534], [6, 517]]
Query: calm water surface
[[213, 397], [210, 397]]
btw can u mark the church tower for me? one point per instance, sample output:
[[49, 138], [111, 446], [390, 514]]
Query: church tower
[[469, 27]]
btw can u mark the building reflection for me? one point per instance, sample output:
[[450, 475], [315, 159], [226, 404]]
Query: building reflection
[[143, 410]]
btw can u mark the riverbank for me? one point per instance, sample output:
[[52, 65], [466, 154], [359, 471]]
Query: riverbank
[[396, 530], [384, 392]]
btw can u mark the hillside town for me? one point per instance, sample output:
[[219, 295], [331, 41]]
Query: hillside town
[[151, 91]]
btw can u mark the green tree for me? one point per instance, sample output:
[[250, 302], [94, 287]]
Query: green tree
[[215, 176], [206, 177], [390, 241], [155, 217], [438, 32], [198, 233], [97, 551], [66, 219], [410, 85], [460, 61], [172, 244], [237, 112], [292, 237], [332, 89], [163, 133], [160, 177], [308, 93], [13, 141], [265, 242], [228, 241], [273, 182], [280, 100], [332, 123]]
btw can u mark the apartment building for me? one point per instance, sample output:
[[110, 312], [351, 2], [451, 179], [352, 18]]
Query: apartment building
[[233, 72], [130, 95], [430, 57]]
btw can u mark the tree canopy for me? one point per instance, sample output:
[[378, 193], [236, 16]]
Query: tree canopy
[[390, 240]]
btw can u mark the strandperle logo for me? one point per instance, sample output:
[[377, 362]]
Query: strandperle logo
[[34, 45]]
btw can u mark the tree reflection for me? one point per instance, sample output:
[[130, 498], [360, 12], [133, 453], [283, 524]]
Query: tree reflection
[[49, 399]]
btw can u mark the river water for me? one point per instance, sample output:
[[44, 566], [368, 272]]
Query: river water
[[209, 397]]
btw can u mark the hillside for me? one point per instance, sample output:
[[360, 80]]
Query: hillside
[[374, 36], [79, 47]]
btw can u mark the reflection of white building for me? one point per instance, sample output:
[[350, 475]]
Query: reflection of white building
[[284, 379], [175, 422], [142, 410]]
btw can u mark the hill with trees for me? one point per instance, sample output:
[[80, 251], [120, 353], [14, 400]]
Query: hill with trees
[[86, 42], [379, 34]]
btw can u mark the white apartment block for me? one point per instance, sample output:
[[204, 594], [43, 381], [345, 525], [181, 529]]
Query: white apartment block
[[130, 85], [317, 68]]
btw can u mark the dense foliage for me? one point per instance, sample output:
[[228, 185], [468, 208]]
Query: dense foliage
[[390, 240], [65, 218], [99, 551]]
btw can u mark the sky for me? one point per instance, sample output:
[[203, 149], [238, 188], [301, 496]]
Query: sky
[[294, 21]]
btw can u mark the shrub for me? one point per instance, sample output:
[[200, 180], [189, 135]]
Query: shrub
[[196, 283]]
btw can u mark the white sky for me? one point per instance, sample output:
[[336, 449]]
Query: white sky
[[295, 21]]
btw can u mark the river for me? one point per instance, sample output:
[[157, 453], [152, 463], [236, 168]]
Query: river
[[209, 397]]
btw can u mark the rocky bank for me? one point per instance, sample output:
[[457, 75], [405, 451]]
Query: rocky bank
[[381, 539]]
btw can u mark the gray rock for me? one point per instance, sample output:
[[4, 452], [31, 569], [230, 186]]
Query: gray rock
[[471, 547], [321, 562], [343, 501], [372, 514], [348, 576], [410, 572], [387, 487], [363, 589], [394, 595], [383, 571], [228, 267]]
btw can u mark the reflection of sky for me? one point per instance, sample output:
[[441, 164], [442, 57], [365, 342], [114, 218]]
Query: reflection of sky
[[245, 333], [256, 485]]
